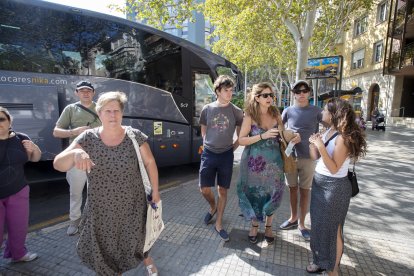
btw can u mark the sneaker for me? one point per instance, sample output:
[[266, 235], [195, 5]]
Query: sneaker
[[305, 233], [73, 227], [26, 258], [223, 234], [151, 270], [209, 217], [287, 225]]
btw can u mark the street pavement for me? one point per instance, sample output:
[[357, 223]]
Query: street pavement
[[378, 230]]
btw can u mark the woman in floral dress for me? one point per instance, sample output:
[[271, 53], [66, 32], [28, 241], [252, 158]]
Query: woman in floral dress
[[261, 183]]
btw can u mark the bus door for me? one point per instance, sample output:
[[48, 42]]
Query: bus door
[[203, 94], [34, 109]]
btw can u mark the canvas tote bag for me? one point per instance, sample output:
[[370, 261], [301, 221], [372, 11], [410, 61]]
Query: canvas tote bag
[[154, 225]]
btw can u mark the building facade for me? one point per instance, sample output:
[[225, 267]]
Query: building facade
[[399, 58], [378, 61], [363, 50]]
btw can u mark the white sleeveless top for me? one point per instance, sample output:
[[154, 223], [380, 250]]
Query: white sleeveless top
[[320, 166]]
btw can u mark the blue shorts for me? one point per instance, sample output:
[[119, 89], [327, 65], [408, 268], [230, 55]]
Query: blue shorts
[[216, 164]]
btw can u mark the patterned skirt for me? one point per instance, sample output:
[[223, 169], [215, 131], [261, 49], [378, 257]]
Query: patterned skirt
[[329, 205]]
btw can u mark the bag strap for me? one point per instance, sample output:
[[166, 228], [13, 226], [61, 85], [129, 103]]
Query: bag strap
[[353, 168], [333, 136], [88, 110], [144, 174]]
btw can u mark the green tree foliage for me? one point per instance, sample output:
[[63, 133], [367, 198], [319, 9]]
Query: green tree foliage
[[279, 33]]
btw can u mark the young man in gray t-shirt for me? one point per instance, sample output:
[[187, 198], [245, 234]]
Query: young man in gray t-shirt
[[218, 122], [304, 119]]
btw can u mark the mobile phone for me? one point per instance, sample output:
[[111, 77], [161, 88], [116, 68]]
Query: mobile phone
[[289, 149]]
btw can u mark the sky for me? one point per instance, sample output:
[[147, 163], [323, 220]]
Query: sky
[[98, 6]]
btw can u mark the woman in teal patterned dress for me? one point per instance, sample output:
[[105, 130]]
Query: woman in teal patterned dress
[[261, 183]]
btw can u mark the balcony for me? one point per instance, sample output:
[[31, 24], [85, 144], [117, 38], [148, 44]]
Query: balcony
[[401, 63], [399, 54]]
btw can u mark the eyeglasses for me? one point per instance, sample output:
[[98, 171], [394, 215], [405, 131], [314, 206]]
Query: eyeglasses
[[298, 91], [265, 95], [3, 119], [85, 90]]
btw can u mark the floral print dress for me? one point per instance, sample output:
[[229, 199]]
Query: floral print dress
[[261, 183]]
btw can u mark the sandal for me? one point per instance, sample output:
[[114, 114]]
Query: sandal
[[253, 239], [269, 239], [150, 270], [313, 268]]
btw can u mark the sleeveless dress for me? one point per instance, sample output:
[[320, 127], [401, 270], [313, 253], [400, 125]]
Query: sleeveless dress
[[112, 228], [261, 183]]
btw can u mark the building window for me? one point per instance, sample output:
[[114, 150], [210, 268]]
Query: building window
[[360, 26], [382, 12], [378, 51], [358, 59]]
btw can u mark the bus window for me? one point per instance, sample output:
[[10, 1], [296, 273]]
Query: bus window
[[204, 93]]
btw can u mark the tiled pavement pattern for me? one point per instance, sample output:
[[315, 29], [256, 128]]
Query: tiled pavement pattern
[[379, 229]]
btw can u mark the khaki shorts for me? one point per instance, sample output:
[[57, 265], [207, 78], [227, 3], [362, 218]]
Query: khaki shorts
[[303, 176]]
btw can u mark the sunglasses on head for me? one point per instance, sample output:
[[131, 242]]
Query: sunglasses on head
[[265, 95], [3, 119], [298, 91]]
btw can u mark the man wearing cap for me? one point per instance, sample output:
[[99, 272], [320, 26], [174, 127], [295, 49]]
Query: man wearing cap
[[75, 119], [304, 119]]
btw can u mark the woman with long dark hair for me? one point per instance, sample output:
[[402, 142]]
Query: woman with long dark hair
[[342, 142]]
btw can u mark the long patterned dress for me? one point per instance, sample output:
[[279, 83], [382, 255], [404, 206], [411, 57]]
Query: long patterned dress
[[112, 230], [261, 183]]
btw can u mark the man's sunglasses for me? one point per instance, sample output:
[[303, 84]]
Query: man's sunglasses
[[3, 119], [298, 91], [265, 95]]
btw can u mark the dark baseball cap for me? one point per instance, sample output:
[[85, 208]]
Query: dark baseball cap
[[84, 84], [299, 83]]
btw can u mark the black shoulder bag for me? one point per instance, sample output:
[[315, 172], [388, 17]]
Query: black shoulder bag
[[89, 111], [354, 182]]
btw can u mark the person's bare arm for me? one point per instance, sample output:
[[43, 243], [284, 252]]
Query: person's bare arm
[[33, 151], [152, 170], [339, 155], [67, 133], [73, 156]]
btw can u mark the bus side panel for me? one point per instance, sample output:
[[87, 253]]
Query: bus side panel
[[172, 144], [169, 142], [35, 111]]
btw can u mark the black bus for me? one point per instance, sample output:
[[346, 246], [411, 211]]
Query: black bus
[[46, 48]]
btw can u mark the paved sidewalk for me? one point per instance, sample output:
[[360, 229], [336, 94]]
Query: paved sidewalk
[[378, 232]]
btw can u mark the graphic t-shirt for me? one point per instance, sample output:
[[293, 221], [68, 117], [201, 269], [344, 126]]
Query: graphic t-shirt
[[221, 123]]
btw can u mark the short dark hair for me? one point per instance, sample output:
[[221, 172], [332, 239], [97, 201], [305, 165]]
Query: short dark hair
[[84, 84], [223, 81]]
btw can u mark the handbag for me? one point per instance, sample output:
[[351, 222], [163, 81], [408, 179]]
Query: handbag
[[289, 162], [154, 224], [354, 182]]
